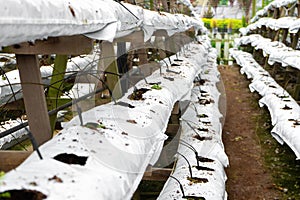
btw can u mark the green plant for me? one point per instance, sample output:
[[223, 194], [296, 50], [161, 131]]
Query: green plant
[[156, 87], [244, 21], [235, 24], [230, 24]]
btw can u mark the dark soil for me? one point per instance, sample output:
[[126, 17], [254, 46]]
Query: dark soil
[[24, 194], [260, 168], [248, 177]]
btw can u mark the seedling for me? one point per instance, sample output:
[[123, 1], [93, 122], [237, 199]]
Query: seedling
[[156, 87]]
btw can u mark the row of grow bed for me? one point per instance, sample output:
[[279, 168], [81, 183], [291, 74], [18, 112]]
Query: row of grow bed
[[284, 110], [96, 19], [103, 153], [276, 4], [275, 51], [199, 171]]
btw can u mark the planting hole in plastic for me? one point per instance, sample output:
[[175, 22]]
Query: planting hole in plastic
[[138, 94], [22, 194], [71, 159]]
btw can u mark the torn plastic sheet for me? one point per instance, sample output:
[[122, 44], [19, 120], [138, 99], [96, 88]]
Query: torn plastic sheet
[[211, 176], [108, 155]]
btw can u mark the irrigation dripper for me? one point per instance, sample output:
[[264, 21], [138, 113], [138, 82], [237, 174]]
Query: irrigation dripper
[[198, 158]]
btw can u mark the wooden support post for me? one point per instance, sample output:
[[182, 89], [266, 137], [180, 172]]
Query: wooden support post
[[266, 65], [56, 85], [282, 12], [108, 63], [295, 38], [298, 9], [276, 35], [296, 94], [276, 13], [34, 97], [11, 159], [264, 31], [158, 174], [291, 11], [284, 36]]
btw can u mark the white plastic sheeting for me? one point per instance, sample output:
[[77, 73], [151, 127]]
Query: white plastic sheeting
[[205, 116], [284, 110], [271, 6], [292, 24], [14, 136], [190, 6], [7, 59], [10, 82], [115, 144], [97, 19], [277, 51]]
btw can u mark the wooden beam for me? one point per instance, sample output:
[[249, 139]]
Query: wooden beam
[[172, 129], [34, 97], [284, 36], [108, 63], [298, 9], [295, 38], [66, 45], [12, 159], [157, 174], [176, 108]]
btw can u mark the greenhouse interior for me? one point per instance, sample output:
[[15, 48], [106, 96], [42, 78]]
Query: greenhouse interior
[[150, 99]]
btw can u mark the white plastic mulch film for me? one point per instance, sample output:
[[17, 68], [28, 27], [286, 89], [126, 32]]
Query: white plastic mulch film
[[276, 51], [271, 6], [97, 19], [284, 110], [201, 138], [10, 83], [105, 158]]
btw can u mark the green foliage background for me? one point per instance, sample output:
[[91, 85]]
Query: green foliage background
[[221, 23]]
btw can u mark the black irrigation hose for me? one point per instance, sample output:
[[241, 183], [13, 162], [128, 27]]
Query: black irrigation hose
[[189, 146], [180, 185], [34, 143], [191, 126], [25, 124], [190, 167]]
